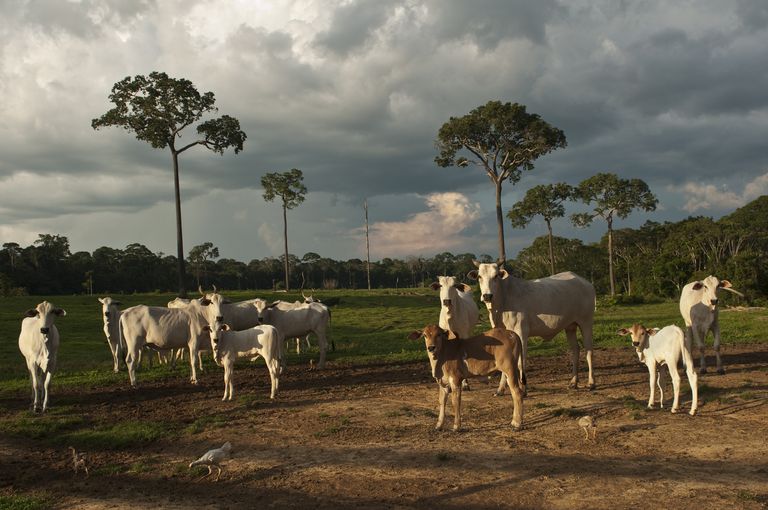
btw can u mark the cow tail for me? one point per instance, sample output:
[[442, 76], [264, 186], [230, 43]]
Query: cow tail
[[122, 345]]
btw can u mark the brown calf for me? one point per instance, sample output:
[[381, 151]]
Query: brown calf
[[453, 360]]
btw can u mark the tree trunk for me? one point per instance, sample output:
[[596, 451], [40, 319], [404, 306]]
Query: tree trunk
[[610, 256], [500, 221], [285, 238], [551, 251], [179, 237]]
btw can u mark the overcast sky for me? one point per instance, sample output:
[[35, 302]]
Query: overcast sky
[[353, 93]]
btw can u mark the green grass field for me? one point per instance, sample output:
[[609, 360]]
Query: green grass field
[[367, 327]]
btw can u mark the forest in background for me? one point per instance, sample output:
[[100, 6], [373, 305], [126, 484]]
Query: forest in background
[[653, 261]]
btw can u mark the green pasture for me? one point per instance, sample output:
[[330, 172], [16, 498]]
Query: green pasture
[[367, 327]]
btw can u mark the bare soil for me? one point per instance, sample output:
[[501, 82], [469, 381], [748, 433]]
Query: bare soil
[[363, 437]]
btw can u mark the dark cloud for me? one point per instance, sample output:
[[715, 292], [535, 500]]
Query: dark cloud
[[353, 25]]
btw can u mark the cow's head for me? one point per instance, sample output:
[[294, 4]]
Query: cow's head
[[215, 330], [708, 287], [489, 277], [263, 308], [434, 336], [448, 289], [639, 335], [109, 308], [45, 313], [310, 298], [213, 304]]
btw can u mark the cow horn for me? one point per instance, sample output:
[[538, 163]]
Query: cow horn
[[732, 290], [200, 290], [302, 295], [214, 289]]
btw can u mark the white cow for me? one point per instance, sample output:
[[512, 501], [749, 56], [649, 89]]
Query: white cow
[[111, 317], [666, 346], [542, 308], [39, 343], [698, 306], [165, 328], [458, 310], [298, 320], [228, 345]]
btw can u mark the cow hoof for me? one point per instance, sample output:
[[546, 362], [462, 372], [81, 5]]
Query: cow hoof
[[573, 386], [498, 393], [674, 411], [720, 371], [591, 387], [516, 428], [692, 412]]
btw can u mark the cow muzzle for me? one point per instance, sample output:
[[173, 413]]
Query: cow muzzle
[[45, 331], [487, 298], [447, 303], [636, 344], [432, 348]]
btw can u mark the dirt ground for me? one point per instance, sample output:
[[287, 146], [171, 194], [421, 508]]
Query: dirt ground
[[363, 437]]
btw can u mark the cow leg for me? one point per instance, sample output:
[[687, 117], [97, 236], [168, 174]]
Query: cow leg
[[675, 386], [716, 335], [517, 401], [456, 402], [46, 385], [442, 398], [200, 360], [652, 378], [115, 356], [696, 335], [586, 338], [573, 342], [132, 359], [33, 375], [192, 360], [694, 383], [274, 366]]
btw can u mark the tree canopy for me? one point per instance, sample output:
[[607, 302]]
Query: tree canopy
[[502, 139]]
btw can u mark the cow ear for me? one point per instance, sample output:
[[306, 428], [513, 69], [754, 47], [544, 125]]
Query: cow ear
[[472, 275], [725, 284], [503, 273], [272, 305], [31, 313], [225, 327], [60, 312], [414, 335], [101, 300], [652, 331], [697, 285], [434, 286], [623, 331], [463, 287]]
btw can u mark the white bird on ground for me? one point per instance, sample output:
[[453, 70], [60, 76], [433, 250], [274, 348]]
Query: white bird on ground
[[588, 423], [213, 458], [79, 461]]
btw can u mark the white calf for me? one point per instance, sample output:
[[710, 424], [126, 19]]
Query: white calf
[[39, 343], [664, 347], [110, 314], [228, 345], [698, 306]]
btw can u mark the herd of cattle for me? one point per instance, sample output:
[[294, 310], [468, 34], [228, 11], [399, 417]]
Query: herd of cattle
[[518, 309]]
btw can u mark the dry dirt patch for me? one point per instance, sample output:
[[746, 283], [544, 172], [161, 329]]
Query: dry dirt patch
[[364, 437]]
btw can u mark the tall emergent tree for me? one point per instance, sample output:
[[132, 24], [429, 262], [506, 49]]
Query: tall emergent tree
[[291, 190], [545, 200], [199, 257], [157, 108], [500, 138], [612, 196]]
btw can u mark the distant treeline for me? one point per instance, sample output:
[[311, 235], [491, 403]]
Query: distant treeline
[[657, 259]]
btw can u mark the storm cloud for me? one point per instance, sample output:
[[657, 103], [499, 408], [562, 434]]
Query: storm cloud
[[353, 93]]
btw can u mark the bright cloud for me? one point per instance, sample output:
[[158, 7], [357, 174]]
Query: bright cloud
[[439, 228], [709, 196]]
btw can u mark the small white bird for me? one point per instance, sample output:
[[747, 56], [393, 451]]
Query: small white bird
[[588, 423], [79, 461], [213, 458]]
